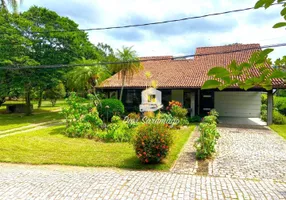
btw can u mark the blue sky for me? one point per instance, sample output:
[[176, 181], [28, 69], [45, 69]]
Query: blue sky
[[176, 38]]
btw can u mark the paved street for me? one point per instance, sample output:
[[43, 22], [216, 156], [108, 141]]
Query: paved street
[[60, 182]]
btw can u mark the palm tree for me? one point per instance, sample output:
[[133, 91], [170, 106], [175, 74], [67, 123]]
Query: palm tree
[[129, 67], [13, 3], [87, 77]]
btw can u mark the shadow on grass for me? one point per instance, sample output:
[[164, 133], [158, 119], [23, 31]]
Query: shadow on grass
[[58, 131]]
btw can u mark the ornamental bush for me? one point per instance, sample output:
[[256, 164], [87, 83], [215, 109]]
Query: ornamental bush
[[109, 107], [82, 120], [178, 111], [118, 132], [173, 103], [152, 142], [205, 144]]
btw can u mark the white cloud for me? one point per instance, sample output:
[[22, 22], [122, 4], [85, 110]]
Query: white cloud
[[249, 27]]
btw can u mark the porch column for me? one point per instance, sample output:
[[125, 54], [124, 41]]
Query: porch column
[[199, 101], [269, 107]]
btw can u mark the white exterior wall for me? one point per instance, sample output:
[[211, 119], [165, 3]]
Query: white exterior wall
[[238, 104], [178, 95]]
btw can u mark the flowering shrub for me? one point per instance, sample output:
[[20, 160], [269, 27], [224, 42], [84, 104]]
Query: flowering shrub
[[152, 142], [173, 103]]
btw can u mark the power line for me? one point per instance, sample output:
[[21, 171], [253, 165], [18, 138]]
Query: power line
[[150, 23], [136, 61]]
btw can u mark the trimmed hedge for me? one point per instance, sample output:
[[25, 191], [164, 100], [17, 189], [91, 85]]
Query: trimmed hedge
[[110, 107]]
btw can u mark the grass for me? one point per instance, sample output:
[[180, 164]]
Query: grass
[[280, 129], [10, 121], [50, 146], [44, 114]]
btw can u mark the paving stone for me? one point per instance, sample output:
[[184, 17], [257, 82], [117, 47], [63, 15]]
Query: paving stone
[[250, 153], [60, 182]]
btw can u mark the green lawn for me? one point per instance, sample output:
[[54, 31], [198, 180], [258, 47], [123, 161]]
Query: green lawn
[[280, 129], [44, 114], [10, 121], [46, 105], [50, 146]]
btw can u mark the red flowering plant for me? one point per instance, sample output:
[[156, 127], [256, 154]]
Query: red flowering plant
[[173, 103], [152, 142]]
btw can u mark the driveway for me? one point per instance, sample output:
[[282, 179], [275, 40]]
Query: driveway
[[251, 152]]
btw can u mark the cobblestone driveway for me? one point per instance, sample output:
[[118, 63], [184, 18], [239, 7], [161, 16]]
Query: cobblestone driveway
[[59, 182], [247, 152]]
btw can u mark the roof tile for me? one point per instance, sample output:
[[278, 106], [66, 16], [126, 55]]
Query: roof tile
[[189, 73]]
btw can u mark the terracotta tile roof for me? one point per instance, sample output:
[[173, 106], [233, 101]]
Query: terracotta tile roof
[[189, 73]]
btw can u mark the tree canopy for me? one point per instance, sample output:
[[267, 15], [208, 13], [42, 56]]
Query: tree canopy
[[41, 37]]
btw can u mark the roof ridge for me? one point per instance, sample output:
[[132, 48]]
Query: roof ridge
[[229, 45]]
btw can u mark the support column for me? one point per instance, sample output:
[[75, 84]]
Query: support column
[[269, 107], [199, 101]]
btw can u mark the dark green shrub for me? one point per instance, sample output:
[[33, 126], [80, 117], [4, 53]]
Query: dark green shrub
[[109, 107], [282, 109], [152, 142], [195, 119]]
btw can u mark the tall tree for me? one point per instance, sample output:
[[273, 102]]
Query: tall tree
[[39, 37], [129, 66], [13, 3]]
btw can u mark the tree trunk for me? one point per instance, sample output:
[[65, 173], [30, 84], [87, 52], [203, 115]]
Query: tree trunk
[[40, 98], [28, 102], [122, 87], [2, 100]]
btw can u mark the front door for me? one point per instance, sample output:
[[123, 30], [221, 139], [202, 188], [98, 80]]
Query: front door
[[207, 101]]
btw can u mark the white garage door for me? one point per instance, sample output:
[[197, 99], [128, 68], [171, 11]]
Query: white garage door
[[238, 104]]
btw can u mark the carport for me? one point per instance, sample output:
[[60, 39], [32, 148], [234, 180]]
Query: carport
[[242, 107]]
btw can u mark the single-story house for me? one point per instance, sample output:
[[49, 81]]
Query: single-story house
[[182, 79]]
